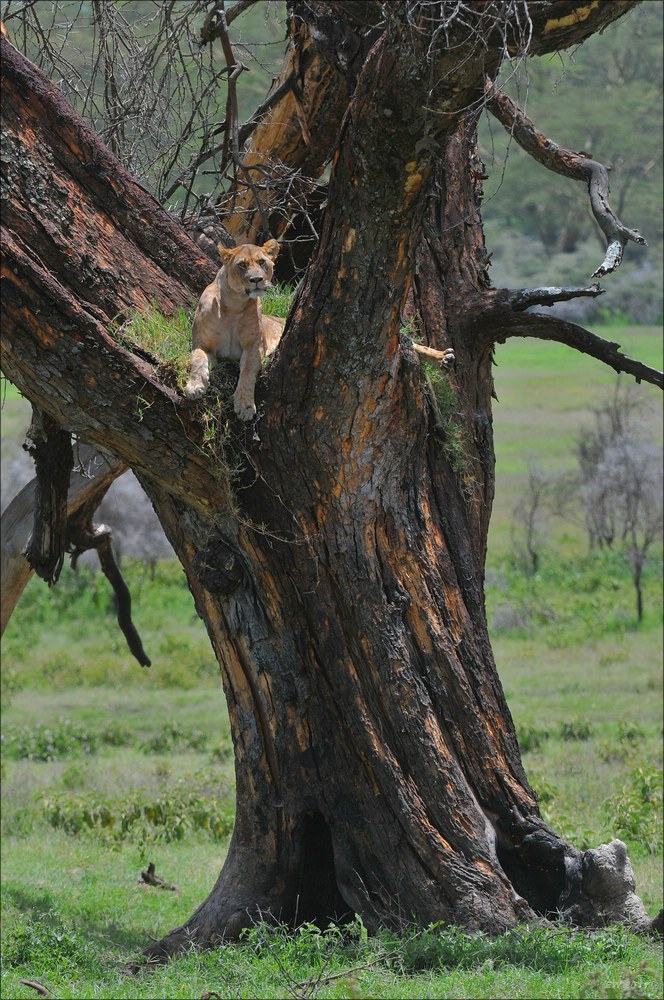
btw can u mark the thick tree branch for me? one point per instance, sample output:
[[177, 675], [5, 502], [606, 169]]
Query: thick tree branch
[[578, 166], [562, 24], [521, 324], [49, 338]]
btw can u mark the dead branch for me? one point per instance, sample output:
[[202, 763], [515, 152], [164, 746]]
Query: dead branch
[[217, 21], [536, 325], [235, 67], [82, 536], [578, 166], [524, 298], [148, 877], [90, 479]]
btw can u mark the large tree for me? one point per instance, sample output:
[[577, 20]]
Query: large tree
[[335, 548]]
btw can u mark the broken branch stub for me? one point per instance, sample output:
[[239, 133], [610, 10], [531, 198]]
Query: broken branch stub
[[51, 449]]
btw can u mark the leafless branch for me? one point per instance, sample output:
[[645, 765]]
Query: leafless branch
[[578, 166], [83, 535], [143, 78], [552, 328], [524, 298]]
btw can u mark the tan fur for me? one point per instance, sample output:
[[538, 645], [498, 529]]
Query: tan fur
[[229, 323]]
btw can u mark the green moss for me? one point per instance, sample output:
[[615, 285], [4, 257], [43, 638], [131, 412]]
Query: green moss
[[450, 424]]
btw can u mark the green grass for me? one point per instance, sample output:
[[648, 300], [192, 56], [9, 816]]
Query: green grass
[[167, 338], [546, 391]]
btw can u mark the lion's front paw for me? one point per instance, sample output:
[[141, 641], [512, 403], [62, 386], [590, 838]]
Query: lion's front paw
[[194, 390], [244, 407]]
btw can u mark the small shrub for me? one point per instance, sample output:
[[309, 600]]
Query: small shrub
[[575, 729], [550, 950], [635, 812], [62, 739], [40, 940], [171, 737], [44, 743], [531, 737], [188, 805]]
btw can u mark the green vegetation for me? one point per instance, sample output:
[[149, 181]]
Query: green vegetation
[[101, 776], [168, 338], [450, 424]]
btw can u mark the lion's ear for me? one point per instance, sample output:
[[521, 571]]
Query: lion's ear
[[225, 253], [272, 249]]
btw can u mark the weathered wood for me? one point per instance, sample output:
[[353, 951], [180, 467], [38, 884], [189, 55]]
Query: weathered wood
[[570, 164], [89, 481], [53, 455], [288, 151]]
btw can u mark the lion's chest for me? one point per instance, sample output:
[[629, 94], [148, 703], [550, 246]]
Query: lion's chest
[[235, 332]]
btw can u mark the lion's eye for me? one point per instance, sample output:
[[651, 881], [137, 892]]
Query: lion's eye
[[262, 262], [242, 264]]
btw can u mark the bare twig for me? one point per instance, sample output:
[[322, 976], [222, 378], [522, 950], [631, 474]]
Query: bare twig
[[578, 166], [235, 67]]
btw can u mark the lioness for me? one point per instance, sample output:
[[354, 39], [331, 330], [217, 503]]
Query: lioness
[[229, 322]]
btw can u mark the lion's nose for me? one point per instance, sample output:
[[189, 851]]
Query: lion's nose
[[257, 280]]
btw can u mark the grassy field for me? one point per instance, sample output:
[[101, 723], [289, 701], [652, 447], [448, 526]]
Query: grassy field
[[107, 766], [546, 392]]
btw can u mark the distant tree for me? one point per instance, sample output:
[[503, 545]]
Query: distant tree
[[528, 514], [616, 423], [620, 482]]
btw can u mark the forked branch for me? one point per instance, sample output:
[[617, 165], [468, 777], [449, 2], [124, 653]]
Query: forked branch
[[578, 166]]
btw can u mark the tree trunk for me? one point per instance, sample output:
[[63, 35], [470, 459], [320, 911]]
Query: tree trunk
[[378, 770]]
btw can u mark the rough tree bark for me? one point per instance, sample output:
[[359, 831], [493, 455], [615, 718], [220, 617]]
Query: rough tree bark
[[378, 771]]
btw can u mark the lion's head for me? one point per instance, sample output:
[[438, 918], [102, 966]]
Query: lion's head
[[249, 268]]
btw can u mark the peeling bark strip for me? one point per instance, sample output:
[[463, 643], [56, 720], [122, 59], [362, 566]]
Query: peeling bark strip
[[89, 481], [578, 166], [53, 455], [290, 147]]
